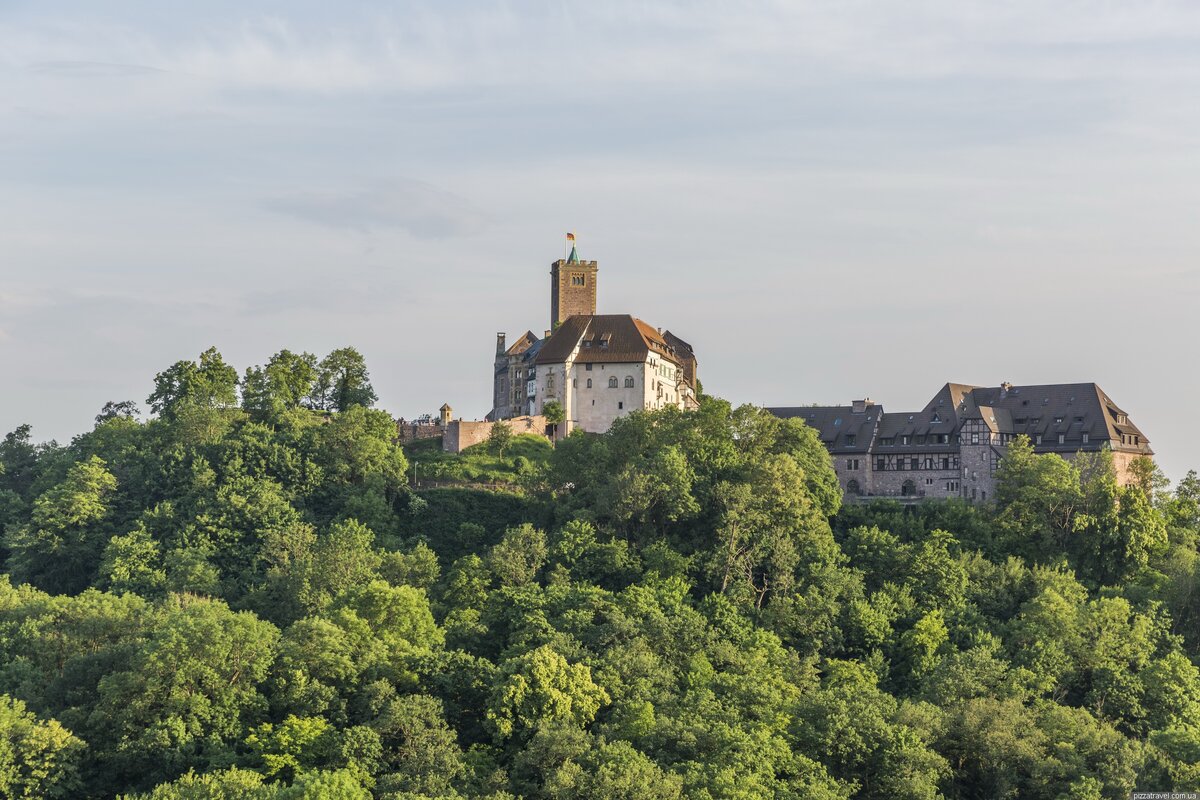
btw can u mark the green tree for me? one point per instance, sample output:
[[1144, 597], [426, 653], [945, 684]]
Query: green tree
[[38, 759], [518, 556], [541, 687], [134, 563], [283, 384], [420, 755], [208, 383], [124, 409], [187, 694], [500, 437], [342, 382], [59, 548], [554, 413]]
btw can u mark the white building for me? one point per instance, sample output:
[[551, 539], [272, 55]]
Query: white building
[[598, 367], [603, 366]]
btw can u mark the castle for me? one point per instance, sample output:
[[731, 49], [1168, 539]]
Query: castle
[[952, 447], [596, 367]]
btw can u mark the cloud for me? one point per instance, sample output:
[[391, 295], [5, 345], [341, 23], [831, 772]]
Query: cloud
[[91, 69], [420, 209]]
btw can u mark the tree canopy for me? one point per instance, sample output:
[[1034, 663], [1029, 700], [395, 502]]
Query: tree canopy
[[243, 597]]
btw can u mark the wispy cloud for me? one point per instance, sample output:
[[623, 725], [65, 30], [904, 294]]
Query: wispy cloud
[[413, 206]]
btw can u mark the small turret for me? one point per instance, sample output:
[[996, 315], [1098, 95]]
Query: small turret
[[447, 413]]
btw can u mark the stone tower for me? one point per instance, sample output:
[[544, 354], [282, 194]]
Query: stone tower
[[572, 288]]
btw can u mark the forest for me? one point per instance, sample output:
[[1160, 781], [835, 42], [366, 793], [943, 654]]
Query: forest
[[240, 594]]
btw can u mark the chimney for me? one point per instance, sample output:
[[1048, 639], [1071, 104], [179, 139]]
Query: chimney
[[547, 335], [859, 406], [500, 348]]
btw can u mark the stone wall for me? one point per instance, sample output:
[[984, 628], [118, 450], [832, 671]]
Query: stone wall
[[415, 431], [925, 482], [461, 434]]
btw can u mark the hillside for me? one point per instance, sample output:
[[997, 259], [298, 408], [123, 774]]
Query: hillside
[[248, 599], [481, 464]]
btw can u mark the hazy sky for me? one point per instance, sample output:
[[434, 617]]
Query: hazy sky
[[827, 199]]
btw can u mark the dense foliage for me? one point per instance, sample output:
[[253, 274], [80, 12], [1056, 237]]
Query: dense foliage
[[244, 597]]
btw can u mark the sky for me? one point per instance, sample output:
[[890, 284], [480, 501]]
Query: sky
[[829, 200]]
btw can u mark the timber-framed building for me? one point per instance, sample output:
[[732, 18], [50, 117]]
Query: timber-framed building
[[952, 447]]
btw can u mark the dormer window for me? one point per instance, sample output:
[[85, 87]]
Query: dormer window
[[850, 439]]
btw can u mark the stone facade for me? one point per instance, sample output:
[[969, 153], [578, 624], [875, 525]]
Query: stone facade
[[461, 434], [572, 288], [953, 447], [424, 427]]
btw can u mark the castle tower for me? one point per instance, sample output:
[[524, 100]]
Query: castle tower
[[572, 288]]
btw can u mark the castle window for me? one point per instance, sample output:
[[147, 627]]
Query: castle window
[[612, 382], [578, 280], [588, 367], [913, 463], [904, 439], [589, 383], [1038, 439], [974, 438], [881, 464], [850, 440], [1061, 438], [945, 463], [1085, 437], [852, 487], [620, 405], [628, 381]]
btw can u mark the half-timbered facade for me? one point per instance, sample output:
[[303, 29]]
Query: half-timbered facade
[[953, 446]]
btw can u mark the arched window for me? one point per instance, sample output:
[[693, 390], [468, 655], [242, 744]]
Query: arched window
[[852, 487], [908, 489], [589, 383], [628, 381], [612, 382]]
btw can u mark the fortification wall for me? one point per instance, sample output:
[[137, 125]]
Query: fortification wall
[[461, 434], [414, 431]]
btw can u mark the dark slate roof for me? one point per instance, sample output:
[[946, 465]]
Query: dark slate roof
[[678, 344], [837, 424], [925, 428], [604, 338], [1070, 409]]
